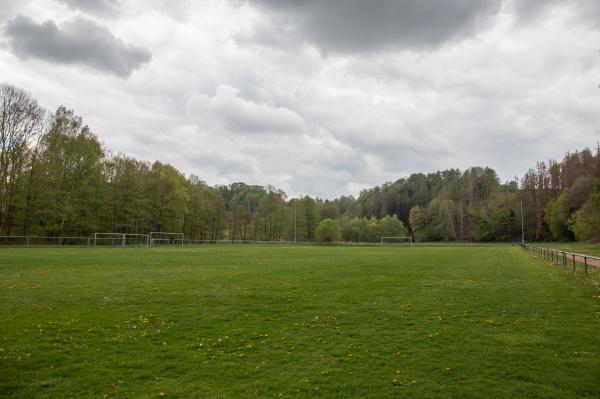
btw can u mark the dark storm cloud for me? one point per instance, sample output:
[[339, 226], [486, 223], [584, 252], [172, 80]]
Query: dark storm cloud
[[363, 26], [97, 7], [586, 11], [79, 41]]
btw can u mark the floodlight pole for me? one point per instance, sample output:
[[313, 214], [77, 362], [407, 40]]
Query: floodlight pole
[[295, 223], [522, 221]]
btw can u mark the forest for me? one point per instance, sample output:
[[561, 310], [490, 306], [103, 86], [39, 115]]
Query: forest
[[56, 179]]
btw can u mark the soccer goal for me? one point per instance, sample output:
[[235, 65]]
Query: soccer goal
[[396, 241], [165, 238], [110, 239], [137, 240]]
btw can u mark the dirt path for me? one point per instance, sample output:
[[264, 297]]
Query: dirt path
[[581, 258]]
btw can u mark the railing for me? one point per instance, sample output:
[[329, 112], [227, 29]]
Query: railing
[[133, 241], [36, 240], [564, 258], [96, 240]]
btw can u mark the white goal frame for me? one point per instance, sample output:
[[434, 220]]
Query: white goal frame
[[152, 237], [144, 238], [409, 238], [118, 237]]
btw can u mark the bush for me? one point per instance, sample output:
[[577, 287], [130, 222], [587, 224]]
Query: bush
[[586, 222], [328, 231]]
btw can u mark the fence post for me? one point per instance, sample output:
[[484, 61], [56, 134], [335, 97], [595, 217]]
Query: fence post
[[574, 267], [573, 259], [585, 264], [557, 259], [564, 260]]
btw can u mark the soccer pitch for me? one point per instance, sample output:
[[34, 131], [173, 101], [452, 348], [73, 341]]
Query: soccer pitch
[[242, 321]]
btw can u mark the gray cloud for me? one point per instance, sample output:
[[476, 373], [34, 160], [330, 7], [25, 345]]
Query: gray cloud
[[79, 41], [501, 90], [97, 7], [587, 11], [351, 26], [230, 112]]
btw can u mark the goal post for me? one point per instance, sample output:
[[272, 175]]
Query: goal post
[[112, 239], [140, 240], [165, 238], [118, 239], [396, 241]]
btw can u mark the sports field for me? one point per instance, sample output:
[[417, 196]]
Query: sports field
[[234, 321]]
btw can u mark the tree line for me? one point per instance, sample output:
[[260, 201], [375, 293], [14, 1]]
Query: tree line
[[56, 179]]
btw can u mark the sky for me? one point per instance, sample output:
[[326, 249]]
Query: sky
[[317, 97]]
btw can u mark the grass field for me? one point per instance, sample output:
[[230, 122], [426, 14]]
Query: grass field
[[228, 322]]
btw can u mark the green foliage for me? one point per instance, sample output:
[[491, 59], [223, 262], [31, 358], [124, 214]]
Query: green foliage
[[418, 222], [329, 210], [557, 216], [355, 229], [371, 230], [60, 181], [328, 230], [389, 226], [70, 192], [206, 214], [167, 197], [586, 224], [271, 216], [311, 217]]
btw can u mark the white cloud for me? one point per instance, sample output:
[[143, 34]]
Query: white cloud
[[216, 102]]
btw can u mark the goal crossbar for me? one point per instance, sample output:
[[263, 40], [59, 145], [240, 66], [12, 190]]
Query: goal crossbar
[[117, 238], [159, 236]]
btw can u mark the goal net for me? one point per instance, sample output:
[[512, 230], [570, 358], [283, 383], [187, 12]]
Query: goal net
[[107, 239], [396, 241], [137, 240], [165, 238], [118, 239]]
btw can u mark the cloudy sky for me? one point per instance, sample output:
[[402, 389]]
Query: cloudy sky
[[319, 97]]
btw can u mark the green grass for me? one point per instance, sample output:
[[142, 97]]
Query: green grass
[[229, 322]]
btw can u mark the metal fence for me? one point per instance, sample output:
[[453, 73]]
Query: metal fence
[[39, 241], [103, 239], [568, 260], [122, 240]]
